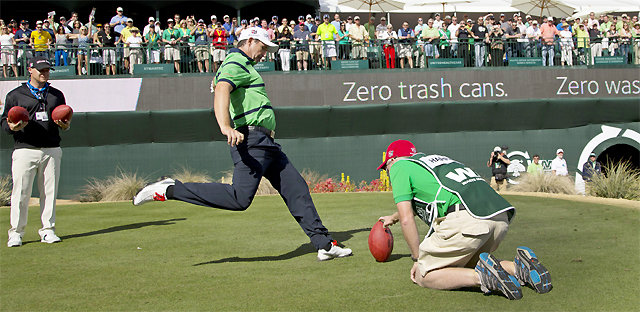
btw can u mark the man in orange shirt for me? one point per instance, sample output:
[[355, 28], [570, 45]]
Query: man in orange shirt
[[548, 32]]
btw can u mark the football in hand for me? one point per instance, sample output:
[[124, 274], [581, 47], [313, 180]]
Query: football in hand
[[62, 112], [17, 114], [380, 242]]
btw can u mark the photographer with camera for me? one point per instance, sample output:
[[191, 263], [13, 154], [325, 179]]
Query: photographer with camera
[[498, 162]]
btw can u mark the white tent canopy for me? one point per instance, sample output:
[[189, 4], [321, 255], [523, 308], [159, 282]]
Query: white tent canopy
[[486, 6]]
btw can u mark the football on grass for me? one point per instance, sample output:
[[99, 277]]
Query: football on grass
[[62, 112], [18, 113], [380, 242]]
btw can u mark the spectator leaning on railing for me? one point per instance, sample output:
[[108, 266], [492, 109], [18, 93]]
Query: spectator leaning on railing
[[106, 39], [219, 38], [548, 32], [8, 57], [359, 36], [595, 37], [301, 36], [344, 46], [41, 41], [134, 42], [326, 33], [201, 49], [389, 38], [152, 40], [284, 42], [566, 46], [171, 38], [406, 36]]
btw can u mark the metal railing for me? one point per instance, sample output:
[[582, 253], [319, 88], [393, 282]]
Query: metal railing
[[190, 58]]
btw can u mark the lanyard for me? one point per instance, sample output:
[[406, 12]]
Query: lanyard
[[40, 94]]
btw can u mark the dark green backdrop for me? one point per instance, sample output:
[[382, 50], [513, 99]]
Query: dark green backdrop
[[331, 140]]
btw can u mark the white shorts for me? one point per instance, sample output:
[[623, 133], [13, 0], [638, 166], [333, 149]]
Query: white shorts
[[329, 48], [405, 50], [8, 57], [153, 56], [109, 56], [218, 55], [171, 53]]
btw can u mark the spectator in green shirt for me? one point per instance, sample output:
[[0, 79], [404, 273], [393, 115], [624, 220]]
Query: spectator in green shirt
[[535, 167], [153, 47]]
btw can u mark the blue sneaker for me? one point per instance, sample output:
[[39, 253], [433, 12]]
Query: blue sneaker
[[530, 271], [494, 278]]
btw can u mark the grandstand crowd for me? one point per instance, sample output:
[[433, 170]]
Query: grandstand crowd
[[310, 42]]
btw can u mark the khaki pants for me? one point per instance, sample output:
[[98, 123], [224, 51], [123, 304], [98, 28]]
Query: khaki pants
[[498, 185], [458, 240], [27, 164]]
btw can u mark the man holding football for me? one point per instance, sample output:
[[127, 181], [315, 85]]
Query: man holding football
[[467, 220], [245, 116], [37, 151]]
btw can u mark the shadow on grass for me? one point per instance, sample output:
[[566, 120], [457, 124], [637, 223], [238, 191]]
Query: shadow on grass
[[120, 228], [301, 250]]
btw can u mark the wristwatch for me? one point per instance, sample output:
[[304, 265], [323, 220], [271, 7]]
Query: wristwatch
[[414, 259]]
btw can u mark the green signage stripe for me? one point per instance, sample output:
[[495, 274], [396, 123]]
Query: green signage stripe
[[446, 62], [525, 61], [349, 64], [609, 60]]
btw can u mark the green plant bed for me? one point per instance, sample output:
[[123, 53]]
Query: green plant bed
[[181, 257]]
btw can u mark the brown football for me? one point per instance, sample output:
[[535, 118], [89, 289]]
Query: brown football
[[18, 113], [62, 112], [380, 242]]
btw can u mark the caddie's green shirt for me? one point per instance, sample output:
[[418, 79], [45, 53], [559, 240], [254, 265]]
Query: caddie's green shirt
[[434, 182], [250, 105]]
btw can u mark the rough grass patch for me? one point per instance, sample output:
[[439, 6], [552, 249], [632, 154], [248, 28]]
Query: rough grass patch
[[188, 175], [5, 190], [122, 186], [620, 180], [546, 183]]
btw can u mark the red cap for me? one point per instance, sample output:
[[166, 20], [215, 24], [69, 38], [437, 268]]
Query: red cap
[[399, 148]]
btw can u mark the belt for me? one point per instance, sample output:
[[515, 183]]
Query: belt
[[264, 130], [455, 207]]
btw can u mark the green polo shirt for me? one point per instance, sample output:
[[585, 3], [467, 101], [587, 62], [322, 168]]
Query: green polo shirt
[[249, 105], [428, 32], [412, 182], [534, 169], [326, 31]]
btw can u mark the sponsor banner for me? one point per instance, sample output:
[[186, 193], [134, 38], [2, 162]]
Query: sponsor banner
[[525, 61], [265, 66], [445, 62], [63, 71], [91, 95], [349, 64], [609, 60], [146, 69]]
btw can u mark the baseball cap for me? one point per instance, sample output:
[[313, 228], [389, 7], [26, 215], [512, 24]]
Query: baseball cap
[[200, 21], [244, 21], [535, 22], [292, 23], [309, 16], [399, 148], [152, 19], [24, 22], [497, 149], [318, 18], [560, 151], [383, 18], [592, 155], [119, 9], [259, 34], [437, 14], [325, 16], [38, 22], [214, 17], [40, 63], [300, 17], [501, 14], [504, 147], [275, 17], [226, 16], [129, 20], [356, 18], [170, 20]]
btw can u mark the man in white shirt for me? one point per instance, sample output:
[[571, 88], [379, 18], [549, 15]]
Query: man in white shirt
[[453, 28], [559, 165], [533, 38], [437, 22]]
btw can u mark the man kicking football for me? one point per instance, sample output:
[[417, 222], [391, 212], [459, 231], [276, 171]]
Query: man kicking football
[[467, 220], [246, 118]]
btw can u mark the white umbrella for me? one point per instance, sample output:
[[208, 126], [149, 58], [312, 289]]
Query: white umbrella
[[555, 8], [450, 4], [373, 5]]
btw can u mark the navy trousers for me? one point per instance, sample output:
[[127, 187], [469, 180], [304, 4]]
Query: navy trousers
[[254, 158]]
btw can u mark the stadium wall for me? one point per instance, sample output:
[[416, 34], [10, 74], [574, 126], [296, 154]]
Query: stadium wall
[[349, 139]]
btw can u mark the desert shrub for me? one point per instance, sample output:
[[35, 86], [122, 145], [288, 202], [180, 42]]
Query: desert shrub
[[620, 180], [5, 191], [545, 182], [188, 175], [122, 186]]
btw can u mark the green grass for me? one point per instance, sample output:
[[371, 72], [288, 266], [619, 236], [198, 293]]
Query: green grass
[[176, 256]]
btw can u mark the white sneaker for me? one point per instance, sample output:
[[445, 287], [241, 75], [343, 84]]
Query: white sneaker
[[335, 252], [49, 237], [153, 192], [15, 240]]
